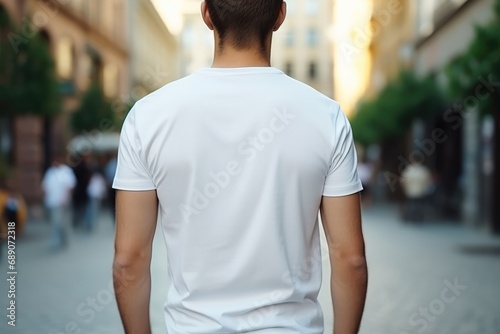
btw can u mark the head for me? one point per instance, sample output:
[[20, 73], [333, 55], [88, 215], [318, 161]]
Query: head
[[244, 24], [59, 159]]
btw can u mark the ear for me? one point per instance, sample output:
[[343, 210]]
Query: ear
[[205, 14], [281, 17]]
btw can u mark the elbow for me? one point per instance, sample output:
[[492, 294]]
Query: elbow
[[130, 269], [357, 263], [350, 269], [352, 261], [131, 261], [123, 261]]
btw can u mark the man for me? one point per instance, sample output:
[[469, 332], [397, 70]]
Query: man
[[57, 185], [238, 159], [417, 186]]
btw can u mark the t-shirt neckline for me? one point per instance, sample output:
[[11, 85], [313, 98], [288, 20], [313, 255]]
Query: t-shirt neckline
[[238, 70]]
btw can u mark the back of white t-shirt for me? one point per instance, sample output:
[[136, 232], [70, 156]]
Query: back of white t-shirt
[[240, 159]]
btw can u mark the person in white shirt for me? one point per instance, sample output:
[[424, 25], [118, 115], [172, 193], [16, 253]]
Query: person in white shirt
[[57, 185], [96, 191], [365, 172], [417, 184], [235, 162]]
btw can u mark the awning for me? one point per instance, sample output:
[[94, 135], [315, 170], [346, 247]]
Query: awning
[[96, 142]]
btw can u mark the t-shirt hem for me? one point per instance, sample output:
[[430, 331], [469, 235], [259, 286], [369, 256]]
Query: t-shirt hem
[[132, 186], [350, 189]]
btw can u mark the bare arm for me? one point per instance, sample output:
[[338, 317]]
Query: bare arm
[[341, 218], [136, 215]]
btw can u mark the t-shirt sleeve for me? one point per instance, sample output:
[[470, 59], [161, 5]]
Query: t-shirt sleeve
[[131, 172], [342, 178]]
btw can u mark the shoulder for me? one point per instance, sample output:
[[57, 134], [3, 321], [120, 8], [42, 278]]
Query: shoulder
[[159, 102], [170, 93], [310, 95]]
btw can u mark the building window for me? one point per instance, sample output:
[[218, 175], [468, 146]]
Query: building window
[[289, 69], [65, 58], [290, 38], [110, 79], [312, 37], [313, 71], [92, 68], [312, 7]]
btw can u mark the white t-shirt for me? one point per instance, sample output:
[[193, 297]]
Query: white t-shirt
[[57, 184], [240, 159]]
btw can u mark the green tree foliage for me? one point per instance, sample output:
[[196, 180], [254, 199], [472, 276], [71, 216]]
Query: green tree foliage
[[391, 113], [94, 113], [475, 75], [28, 84], [6, 59], [479, 66]]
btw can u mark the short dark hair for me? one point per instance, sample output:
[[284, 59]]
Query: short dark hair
[[244, 22]]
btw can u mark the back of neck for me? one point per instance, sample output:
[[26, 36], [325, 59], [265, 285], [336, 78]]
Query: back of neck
[[232, 58]]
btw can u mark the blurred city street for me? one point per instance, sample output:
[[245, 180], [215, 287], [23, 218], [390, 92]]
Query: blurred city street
[[438, 278], [419, 82]]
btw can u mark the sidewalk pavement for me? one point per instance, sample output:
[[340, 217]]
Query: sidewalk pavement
[[432, 278], [425, 278]]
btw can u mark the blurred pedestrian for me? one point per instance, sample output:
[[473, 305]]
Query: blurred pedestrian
[[365, 172], [14, 205], [58, 184], [237, 160], [12, 209], [417, 184], [109, 173], [80, 198], [96, 191]]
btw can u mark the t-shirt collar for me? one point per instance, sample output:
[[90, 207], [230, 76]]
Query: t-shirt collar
[[238, 70]]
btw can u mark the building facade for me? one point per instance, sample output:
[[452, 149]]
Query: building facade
[[391, 49], [154, 50], [88, 39], [425, 36], [444, 29], [303, 48]]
